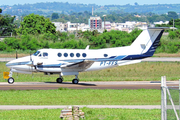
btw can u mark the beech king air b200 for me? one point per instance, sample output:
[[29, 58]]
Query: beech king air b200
[[72, 61]]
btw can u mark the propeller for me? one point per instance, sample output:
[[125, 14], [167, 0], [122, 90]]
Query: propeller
[[17, 58], [16, 55], [32, 65]]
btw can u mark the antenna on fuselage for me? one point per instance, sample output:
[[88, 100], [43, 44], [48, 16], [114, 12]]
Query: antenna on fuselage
[[87, 48]]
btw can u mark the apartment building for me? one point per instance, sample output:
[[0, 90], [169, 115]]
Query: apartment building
[[95, 23]]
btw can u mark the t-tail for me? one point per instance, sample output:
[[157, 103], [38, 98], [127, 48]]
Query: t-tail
[[146, 43]]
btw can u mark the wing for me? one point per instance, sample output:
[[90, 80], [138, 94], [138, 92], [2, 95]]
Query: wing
[[82, 65]]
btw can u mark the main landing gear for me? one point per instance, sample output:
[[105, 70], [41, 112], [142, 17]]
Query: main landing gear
[[74, 81], [59, 80]]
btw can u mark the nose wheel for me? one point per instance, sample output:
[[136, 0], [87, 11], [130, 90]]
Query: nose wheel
[[10, 80]]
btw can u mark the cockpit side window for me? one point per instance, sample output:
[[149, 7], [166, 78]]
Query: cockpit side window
[[36, 53]]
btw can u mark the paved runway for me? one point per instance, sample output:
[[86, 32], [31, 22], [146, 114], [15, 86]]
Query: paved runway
[[85, 85]]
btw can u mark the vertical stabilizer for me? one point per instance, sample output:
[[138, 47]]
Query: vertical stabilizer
[[147, 42]]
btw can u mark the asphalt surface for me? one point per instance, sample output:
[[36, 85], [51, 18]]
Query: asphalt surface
[[85, 85]]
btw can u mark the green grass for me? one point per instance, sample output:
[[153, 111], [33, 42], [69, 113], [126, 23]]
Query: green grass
[[144, 71], [90, 114], [80, 97]]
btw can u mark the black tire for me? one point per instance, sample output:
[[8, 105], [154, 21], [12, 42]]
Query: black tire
[[75, 81], [10, 80], [59, 80]]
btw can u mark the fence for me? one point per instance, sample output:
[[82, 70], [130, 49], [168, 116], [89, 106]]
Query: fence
[[170, 99]]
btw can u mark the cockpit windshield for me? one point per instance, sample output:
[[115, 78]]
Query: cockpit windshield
[[36, 53]]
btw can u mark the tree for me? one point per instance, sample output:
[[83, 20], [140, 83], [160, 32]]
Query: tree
[[172, 15], [54, 16], [176, 23], [6, 25], [35, 24], [136, 4], [0, 10]]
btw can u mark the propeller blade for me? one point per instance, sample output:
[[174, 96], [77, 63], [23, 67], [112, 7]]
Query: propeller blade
[[17, 58], [31, 64], [30, 56]]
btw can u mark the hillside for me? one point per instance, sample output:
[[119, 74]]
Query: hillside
[[59, 7]]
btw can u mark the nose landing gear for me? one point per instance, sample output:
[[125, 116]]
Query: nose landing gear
[[10, 79]]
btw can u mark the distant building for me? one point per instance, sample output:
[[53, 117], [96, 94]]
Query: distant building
[[95, 23], [72, 26], [84, 27], [107, 25], [161, 22], [59, 26]]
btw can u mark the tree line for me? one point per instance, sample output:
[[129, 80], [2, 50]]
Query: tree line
[[62, 40], [117, 17], [65, 7], [38, 32]]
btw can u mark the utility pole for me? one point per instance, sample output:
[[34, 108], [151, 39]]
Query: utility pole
[[173, 24], [104, 22]]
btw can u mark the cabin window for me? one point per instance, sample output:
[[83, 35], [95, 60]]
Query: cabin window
[[45, 54], [72, 54], [77, 55], [65, 55], [105, 55], [59, 54], [84, 55]]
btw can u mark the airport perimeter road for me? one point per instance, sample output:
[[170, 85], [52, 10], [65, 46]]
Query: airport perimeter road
[[22, 107], [161, 59], [85, 85]]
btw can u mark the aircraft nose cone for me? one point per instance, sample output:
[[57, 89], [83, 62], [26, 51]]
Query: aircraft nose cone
[[9, 64]]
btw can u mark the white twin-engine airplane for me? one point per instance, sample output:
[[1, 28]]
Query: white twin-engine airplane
[[72, 61]]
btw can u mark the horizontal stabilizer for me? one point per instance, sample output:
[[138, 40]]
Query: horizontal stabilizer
[[127, 62]]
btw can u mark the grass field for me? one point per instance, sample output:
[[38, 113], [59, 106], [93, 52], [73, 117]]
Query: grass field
[[144, 71], [64, 96], [90, 114]]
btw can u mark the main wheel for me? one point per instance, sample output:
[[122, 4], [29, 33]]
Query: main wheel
[[75, 81], [59, 80], [10, 80]]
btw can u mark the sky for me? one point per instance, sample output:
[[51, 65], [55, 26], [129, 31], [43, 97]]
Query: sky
[[98, 2]]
